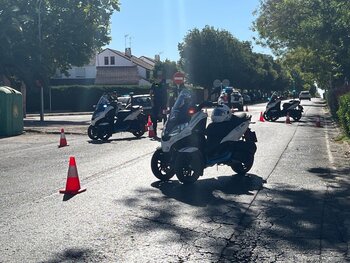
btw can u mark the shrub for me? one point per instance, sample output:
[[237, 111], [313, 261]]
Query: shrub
[[333, 96], [343, 113], [76, 98]]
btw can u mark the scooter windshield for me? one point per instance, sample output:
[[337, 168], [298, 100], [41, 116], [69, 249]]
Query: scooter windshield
[[179, 113], [101, 104], [103, 101]]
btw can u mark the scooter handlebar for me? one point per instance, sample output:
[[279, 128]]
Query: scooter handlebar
[[205, 104]]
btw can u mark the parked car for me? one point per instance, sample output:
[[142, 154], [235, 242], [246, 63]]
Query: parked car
[[304, 95], [124, 100], [144, 101], [236, 98]]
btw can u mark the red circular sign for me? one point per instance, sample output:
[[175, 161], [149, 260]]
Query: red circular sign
[[179, 78]]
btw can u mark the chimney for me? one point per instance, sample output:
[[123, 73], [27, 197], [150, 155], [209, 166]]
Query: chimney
[[128, 51], [157, 58]]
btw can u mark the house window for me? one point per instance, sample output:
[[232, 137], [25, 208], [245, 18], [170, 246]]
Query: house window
[[106, 60], [112, 60]]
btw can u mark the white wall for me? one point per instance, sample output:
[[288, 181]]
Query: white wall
[[86, 72], [141, 72], [119, 60]]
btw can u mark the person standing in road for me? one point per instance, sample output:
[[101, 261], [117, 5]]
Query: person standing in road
[[158, 94]]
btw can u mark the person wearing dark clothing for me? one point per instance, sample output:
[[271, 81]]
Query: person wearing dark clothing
[[158, 94]]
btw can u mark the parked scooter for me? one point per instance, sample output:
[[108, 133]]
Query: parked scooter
[[188, 146], [273, 109], [109, 118]]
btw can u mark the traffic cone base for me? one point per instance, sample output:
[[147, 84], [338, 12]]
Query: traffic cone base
[[261, 117], [63, 140], [151, 132], [318, 122], [72, 184], [288, 119]]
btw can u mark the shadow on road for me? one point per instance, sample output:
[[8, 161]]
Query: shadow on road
[[284, 220], [203, 191], [115, 140], [71, 255]]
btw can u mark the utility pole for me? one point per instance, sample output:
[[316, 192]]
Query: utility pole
[[40, 62]]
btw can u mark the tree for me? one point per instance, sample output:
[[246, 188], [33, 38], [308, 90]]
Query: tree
[[212, 54], [319, 28], [167, 67], [39, 37]]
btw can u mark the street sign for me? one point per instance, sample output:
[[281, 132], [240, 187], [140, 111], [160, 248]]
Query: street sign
[[179, 78]]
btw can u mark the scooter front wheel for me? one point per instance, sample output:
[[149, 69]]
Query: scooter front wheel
[[138, 133], [160, 166], [188, 167], [92, 132], [104, 133], [270, 117]]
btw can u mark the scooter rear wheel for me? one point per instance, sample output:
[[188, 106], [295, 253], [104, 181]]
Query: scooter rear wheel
[[161, 167], [92, 132], [296, 115], [244, 167]]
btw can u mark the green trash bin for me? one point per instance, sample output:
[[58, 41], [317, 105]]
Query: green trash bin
[[11, 112]]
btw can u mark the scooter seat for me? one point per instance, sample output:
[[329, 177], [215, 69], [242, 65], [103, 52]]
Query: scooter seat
[[124, 111], [135, 107], [240, 115]]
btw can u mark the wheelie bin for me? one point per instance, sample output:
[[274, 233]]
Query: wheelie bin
[[11, 112]]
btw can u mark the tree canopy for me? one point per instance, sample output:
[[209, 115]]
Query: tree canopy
[[40, 36], [209, 54], [314, 29]]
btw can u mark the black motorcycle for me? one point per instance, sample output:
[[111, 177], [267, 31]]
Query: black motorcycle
[[109, 118], [291, 108], [186, 149]]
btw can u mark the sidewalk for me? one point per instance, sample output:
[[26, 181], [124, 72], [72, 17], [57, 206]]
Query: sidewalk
[[71, 122]]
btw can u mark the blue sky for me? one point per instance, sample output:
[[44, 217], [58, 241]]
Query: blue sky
[[157, 26]]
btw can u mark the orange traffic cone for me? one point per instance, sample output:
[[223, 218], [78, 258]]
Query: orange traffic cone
[[318, 122], [63, 141], [151, 132], [246, 107], [288, 119], [149, 121], [261, 117], [72, 184]]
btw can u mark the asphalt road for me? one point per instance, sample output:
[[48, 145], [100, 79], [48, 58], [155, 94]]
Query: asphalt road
[[291, 207]]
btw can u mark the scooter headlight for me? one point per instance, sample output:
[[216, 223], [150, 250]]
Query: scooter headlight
[[177, 129]]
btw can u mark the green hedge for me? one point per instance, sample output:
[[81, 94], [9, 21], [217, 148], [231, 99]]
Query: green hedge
[[76, 98], [343, 113], [333, 97], [82, 98]]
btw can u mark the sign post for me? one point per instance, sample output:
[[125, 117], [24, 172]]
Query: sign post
[[178, 79]]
